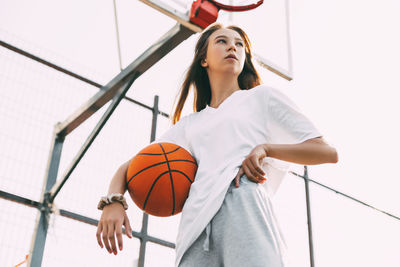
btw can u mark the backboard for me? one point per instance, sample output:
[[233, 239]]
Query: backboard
[[267, 27]]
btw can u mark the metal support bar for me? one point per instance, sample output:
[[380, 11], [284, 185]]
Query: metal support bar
[[347, 196], [116, 100], [310, 239], [272, 67], [69, 73], [143, 239], [145, 220], [77, 217], [154, 119], [19, 199], [40, 233], [289, 44], [47, 63], [151, 56], [94, 222]]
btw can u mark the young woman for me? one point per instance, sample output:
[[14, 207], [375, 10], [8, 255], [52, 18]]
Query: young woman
[[243, 135]]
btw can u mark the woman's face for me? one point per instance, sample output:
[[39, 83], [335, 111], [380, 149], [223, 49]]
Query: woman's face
[[225, 52]]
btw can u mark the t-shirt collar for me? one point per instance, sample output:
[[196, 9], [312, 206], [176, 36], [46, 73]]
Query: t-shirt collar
[[209, 108]]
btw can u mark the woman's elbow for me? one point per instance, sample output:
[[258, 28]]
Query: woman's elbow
[[333, 155], [328, 153]]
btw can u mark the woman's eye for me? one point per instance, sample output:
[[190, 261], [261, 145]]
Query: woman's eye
[[238, 43]]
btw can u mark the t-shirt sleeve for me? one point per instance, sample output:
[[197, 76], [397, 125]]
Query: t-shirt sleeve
[[175, 134], [286, 123]]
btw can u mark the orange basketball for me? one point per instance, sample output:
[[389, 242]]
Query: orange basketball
[[159, 178]]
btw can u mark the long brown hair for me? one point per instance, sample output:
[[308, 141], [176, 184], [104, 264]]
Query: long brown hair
[[197, 76]]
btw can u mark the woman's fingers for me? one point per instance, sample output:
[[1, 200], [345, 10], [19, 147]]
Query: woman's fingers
[[98, 234], [128, 228], [248, 173], [255, 169], [118, 233], [253, 177], [111, 236], [105, 237], [237, 178], [109, 229]]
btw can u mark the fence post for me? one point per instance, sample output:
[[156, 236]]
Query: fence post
[[310, 239], [145, 221]]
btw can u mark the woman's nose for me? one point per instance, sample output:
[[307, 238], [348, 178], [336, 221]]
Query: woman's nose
[[231, 46]]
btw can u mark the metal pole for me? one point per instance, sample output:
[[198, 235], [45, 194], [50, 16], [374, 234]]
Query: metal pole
[[145, 221], [40, 233], [310, 239]]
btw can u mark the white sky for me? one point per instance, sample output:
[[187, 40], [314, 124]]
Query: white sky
[[345, 62]]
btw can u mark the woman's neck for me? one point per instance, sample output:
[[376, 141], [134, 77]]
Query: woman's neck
[[221, 88]]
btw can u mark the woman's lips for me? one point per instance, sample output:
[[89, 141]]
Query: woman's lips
[[231, 57]]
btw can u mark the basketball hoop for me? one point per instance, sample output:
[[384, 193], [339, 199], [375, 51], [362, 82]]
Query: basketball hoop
[[205, 12], [236, 8]]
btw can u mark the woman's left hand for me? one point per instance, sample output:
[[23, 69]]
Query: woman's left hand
[[251, 166]]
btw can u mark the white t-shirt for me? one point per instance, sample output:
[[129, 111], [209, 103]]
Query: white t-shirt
[[221, 138]]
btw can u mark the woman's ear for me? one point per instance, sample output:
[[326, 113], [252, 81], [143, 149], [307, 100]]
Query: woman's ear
[[203, 63]]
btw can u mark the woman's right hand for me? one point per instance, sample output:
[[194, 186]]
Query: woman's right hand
[[110, 225]]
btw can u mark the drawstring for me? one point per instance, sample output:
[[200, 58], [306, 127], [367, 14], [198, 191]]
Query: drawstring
[[206, 244]]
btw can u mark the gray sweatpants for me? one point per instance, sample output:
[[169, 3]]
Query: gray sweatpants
[[244, 232]]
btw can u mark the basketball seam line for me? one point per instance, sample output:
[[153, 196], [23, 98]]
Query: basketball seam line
[[172, 151], [172, 181], [148, 167]]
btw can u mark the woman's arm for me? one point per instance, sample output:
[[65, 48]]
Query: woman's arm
[[113, 217], [310, 152], [117, 184]]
